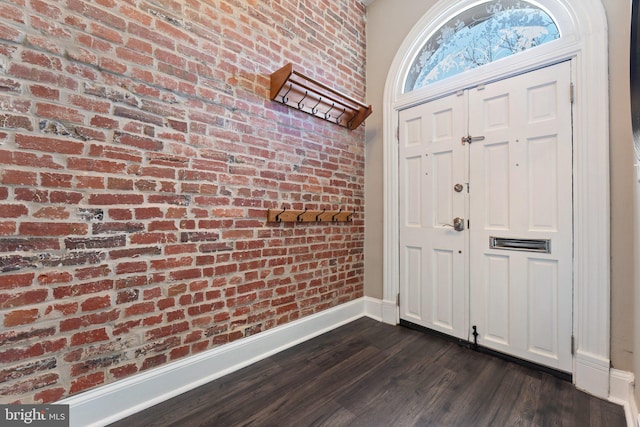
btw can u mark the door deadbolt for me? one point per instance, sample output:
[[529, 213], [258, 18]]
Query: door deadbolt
[[458, 188]]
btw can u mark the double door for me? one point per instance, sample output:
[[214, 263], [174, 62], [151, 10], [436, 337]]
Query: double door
[[486, 220]]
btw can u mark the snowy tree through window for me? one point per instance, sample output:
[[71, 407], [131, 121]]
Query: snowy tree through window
[[478, 36]]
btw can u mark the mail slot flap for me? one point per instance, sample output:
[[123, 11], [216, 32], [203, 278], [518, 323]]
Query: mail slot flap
[[530, 245]]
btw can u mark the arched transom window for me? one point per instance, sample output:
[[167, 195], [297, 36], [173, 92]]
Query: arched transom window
[[478, 36]]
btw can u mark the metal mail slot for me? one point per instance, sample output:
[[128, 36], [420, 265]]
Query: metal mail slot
[[531, 245]]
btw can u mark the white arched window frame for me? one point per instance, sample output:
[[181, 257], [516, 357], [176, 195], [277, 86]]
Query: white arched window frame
[[477, 36], [583, 41]]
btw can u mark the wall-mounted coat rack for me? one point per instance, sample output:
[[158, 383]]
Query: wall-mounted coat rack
[[292, 215], [296, 90]]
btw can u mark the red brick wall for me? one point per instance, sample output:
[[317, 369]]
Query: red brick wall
[[139, 153]]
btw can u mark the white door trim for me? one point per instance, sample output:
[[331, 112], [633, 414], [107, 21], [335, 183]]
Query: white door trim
[[584, 40]]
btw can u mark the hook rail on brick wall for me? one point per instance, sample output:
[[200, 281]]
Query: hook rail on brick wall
[[292, 88], [292, 215]]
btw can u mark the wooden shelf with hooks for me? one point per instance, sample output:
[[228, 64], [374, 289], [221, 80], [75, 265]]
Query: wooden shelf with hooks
[[303, 93], [292, 215]]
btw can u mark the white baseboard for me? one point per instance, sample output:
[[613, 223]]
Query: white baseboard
[[373, 308], [621, 392], [118, 400], [592, 374], [389, 312]]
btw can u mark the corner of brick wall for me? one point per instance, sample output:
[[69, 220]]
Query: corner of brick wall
[[139, 153]]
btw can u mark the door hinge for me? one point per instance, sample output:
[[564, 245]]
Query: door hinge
[[572, 96], [573, 345], [398, 299], [398, 134]]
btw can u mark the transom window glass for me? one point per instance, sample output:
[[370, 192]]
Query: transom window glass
[[478, 36]]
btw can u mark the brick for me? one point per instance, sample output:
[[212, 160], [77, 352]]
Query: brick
[[89, 337], [13, 281], [131, 267], [119, 184], [153, 362], [72, 259], [50, 395], [74, 323], [23, 298], [128, 253], [10, 34], [139, 309], [86, 382], [92, 272], [124, 371], [12, 263], [104, 122], [28, 159], [23, 387], [21, 317], [87, 288], [95, 242], [66, 197], [92, 165], [13, 211], [27, 369], [116, 199], [54, 277], [12, 121], [64, 309], [53, 213], [52, 228], [96, 303], [15, 354], [44, 92], [138, 142], [127, 296], [58, 112]]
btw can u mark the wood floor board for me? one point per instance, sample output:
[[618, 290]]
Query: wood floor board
[[322, 389], [370, 374]]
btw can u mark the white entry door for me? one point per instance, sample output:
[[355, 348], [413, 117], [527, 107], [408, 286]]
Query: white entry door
[[433, 254], [522, 223], [508, 276]]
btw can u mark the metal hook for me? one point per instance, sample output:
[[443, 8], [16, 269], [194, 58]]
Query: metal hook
[[300, 216], [285, 100], [327, 115], [349, 219], [318, 219], [314, 109], [300, 104], [333, 218], [278, 219], [341, 114]]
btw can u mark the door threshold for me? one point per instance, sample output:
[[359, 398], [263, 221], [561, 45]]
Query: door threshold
[[565, 376]]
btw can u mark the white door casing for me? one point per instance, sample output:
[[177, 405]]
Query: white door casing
[[583, 29]]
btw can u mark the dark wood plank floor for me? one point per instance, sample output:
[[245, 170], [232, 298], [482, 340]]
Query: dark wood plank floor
[[371, 374]]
